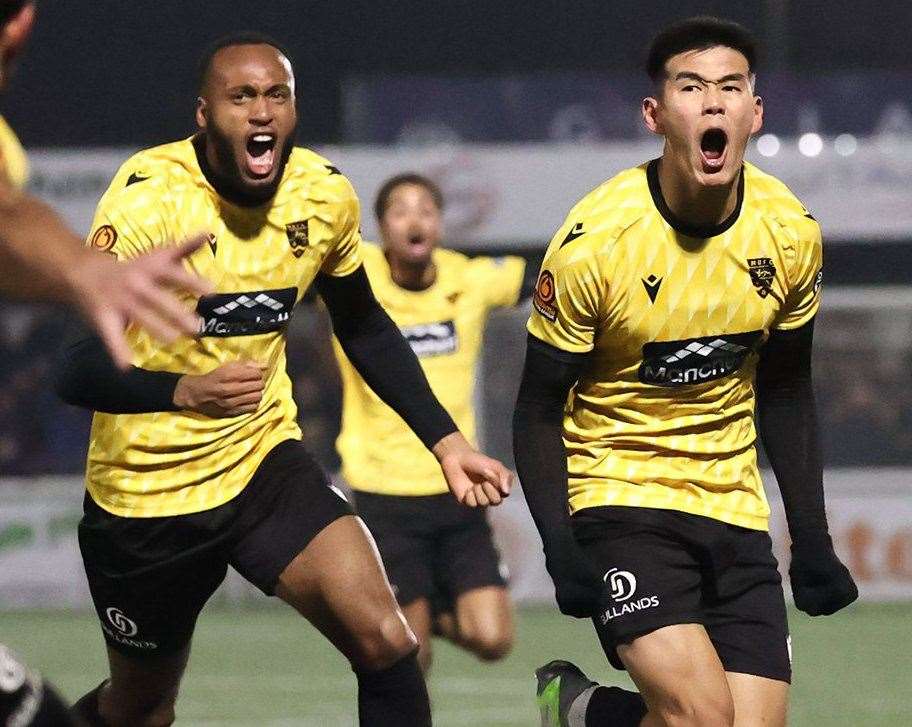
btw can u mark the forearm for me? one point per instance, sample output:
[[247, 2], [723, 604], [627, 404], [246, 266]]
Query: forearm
[[39, 256], [87, 377], [541, 463], [787, 418], [538, 445]]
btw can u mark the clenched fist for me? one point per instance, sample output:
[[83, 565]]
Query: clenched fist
[[230, 390]]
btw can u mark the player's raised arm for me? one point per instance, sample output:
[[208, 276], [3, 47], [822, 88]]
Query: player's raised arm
[[541, 461], [787, 416], [388, 365]]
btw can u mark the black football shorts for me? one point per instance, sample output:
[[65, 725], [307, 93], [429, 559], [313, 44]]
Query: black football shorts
[[150, 577], [663, 567], [432, 547]]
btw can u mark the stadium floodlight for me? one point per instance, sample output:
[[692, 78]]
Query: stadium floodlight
[[768, 145], [810, 144], [845, 145]]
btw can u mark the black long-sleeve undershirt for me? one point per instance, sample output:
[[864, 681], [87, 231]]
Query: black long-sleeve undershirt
[[787, 419], [86, 376], [530, 277], [538, 446]]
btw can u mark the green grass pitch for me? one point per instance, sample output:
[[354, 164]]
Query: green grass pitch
[[266, 667]]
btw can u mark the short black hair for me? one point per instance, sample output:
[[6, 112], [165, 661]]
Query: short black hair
[[419, 180], [9, 9], [233, 39], [699, 33]]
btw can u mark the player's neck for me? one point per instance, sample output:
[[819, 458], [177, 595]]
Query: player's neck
[[694, 205], [412, 277]]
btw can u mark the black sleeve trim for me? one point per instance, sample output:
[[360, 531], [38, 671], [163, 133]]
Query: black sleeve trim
[[382, 356]]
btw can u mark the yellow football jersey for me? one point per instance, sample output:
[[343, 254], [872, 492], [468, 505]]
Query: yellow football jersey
[[444, 324], [13, 161], [672, 319], [261, 260]]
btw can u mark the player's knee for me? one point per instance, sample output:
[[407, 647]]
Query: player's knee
[[385, 643], [704, 709]]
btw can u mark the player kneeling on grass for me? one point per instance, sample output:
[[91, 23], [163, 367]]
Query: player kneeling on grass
[[676, 297], [440, 557], [195, 460]]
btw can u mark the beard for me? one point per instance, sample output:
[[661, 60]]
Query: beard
[[229, 179]]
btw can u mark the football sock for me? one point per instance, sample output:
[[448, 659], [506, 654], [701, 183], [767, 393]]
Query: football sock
[[396, 695], [606, 707]]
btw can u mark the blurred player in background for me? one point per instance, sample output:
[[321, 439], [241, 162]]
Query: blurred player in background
[[40, 259], [676, 297], [195, 459], [439, 556]]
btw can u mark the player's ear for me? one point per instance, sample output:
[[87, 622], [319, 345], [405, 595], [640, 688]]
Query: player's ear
[[758, 115], [651, 115], [202, 112]]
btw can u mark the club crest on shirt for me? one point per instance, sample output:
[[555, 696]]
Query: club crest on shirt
[[545, 296], [762, 273], [297, 234]]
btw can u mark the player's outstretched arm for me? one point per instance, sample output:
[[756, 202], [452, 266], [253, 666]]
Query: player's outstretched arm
[[40, 259], [787, 416], [388, 365], [541, 461]]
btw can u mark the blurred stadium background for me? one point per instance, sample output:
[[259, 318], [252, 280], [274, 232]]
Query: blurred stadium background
[[516, 109]]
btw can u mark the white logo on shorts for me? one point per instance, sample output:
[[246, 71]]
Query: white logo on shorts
[[120, 622], [623, 584]]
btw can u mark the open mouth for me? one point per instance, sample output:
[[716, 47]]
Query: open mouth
[[261, 153], [712, 149]]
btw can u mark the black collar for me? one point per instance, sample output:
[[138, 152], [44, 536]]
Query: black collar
[[224, 186], [682, 226]]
